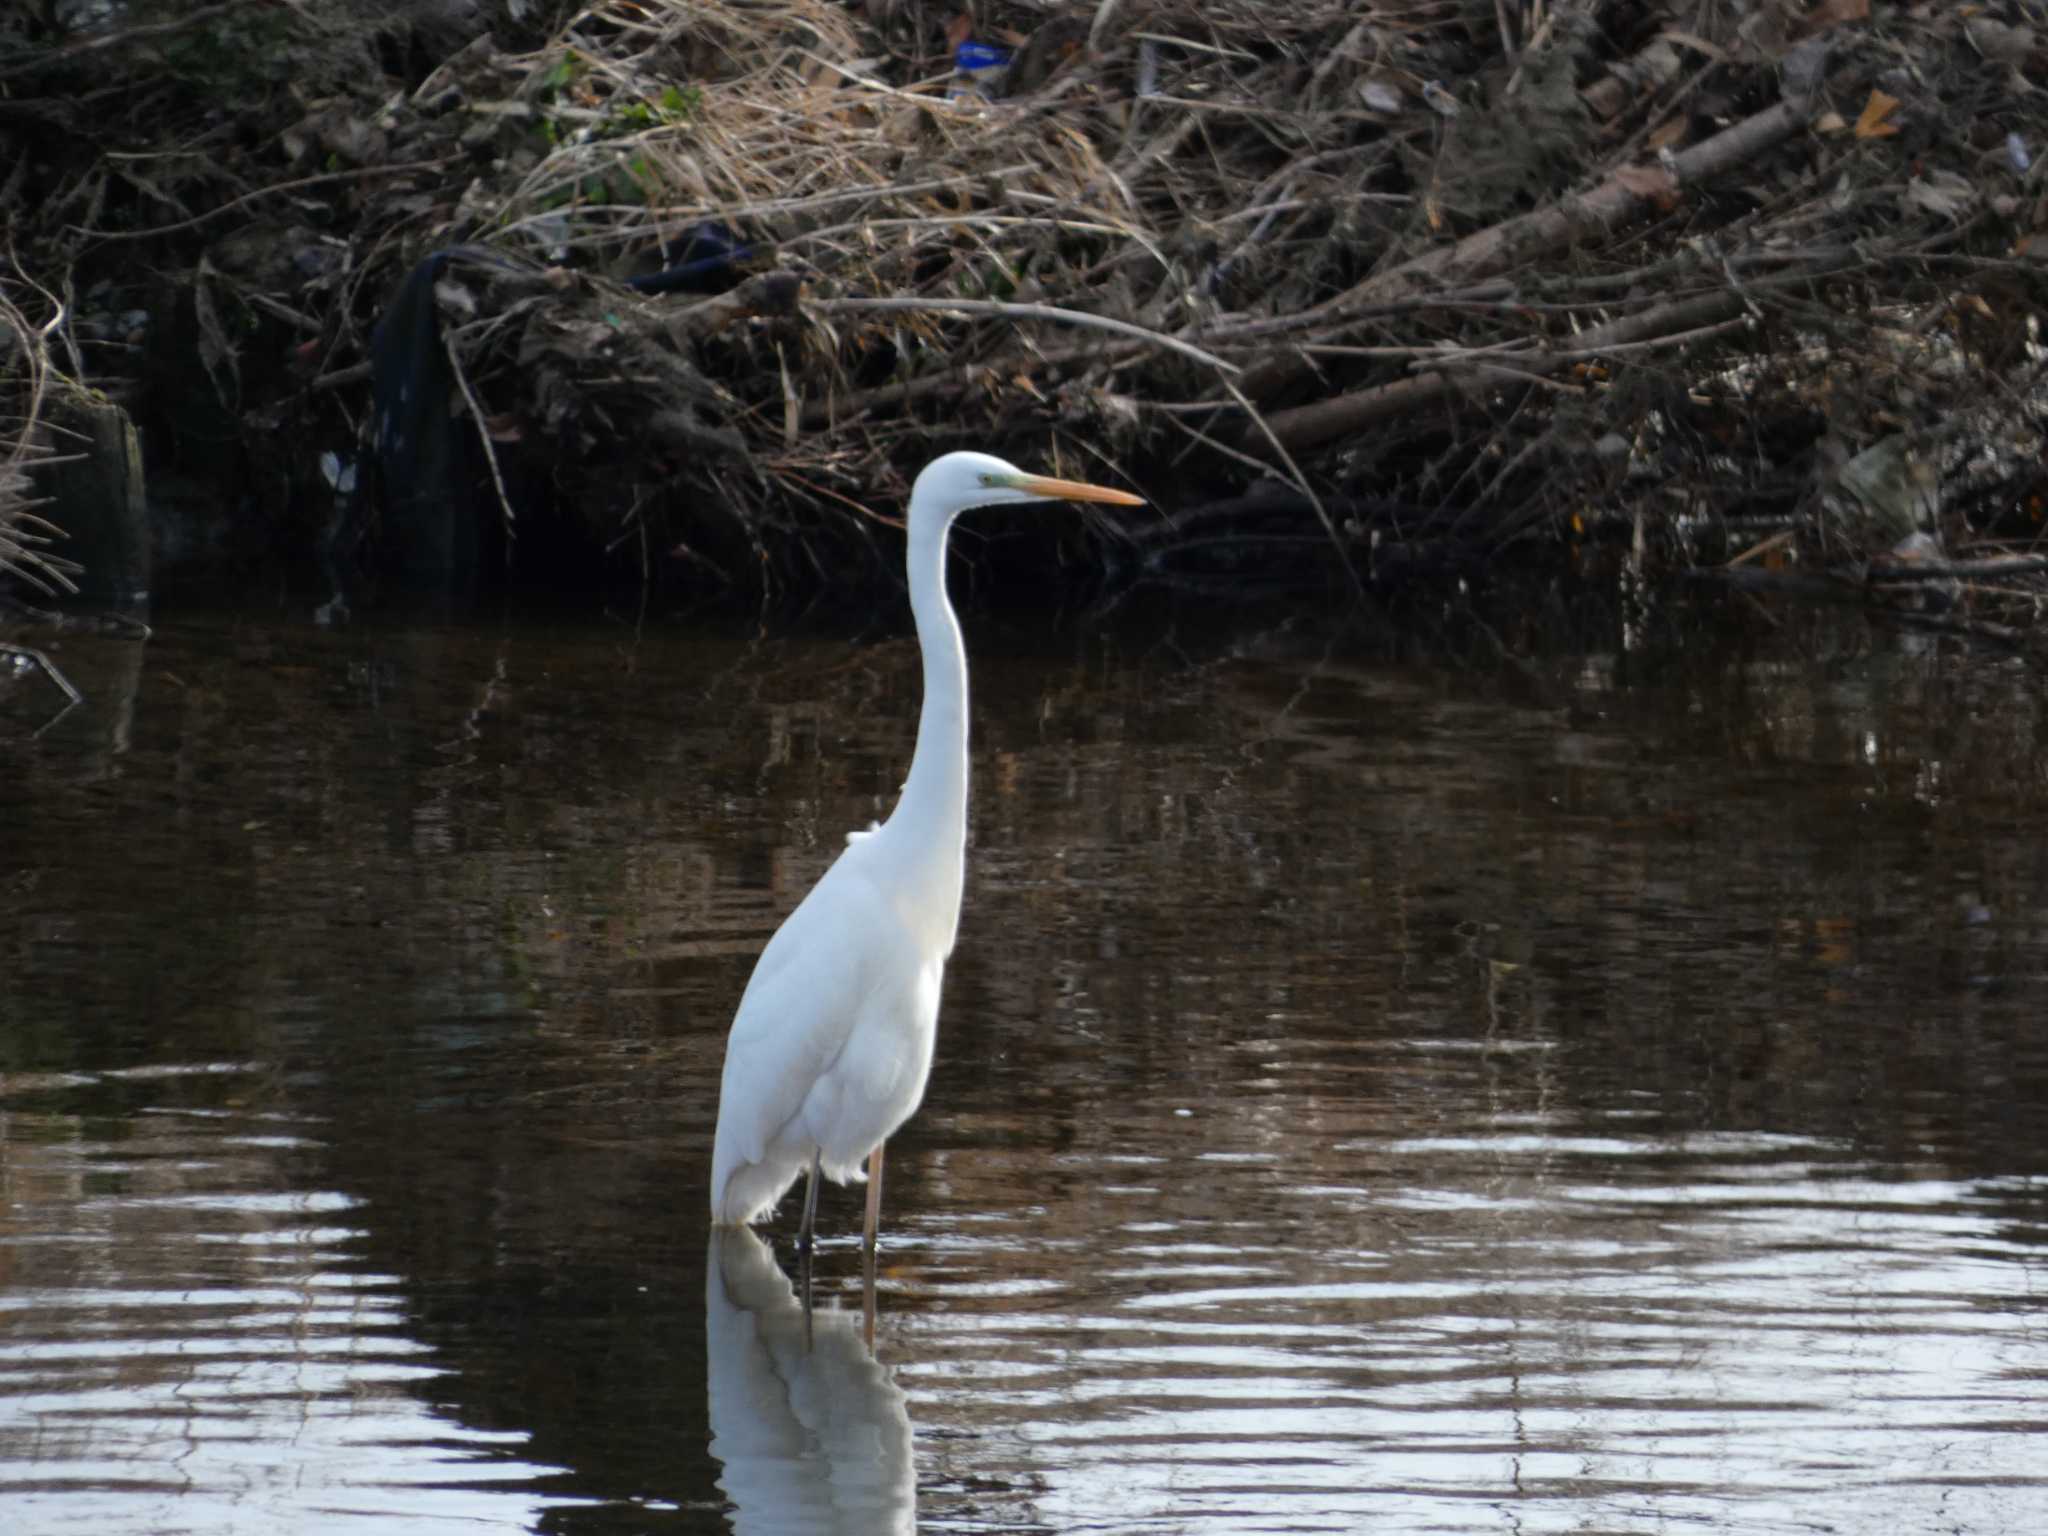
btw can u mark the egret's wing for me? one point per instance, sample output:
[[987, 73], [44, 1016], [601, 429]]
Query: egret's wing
[[799, 1009]]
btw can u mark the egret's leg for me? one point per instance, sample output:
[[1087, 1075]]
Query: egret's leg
[[867, 1299], [874, 1195], [803, 1232]]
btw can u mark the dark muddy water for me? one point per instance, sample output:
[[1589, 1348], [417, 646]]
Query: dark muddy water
[[1592, 1092]]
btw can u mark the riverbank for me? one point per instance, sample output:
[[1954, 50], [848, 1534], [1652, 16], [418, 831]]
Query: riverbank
[[682, 295]]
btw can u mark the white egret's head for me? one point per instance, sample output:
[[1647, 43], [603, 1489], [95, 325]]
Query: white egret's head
[[959, 482]]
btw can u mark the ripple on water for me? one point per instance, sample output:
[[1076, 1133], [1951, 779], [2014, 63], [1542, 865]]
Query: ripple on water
[[1748, 1331], [1371, 1097], [195, 1347]]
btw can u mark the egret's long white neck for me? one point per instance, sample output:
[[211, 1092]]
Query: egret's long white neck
[[931, 817]]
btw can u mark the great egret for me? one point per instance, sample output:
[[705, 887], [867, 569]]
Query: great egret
[[832, 1044]]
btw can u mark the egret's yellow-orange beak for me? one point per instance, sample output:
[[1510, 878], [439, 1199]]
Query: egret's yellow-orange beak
[[1073, 490]]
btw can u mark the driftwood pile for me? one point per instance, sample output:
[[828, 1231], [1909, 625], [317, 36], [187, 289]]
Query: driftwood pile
[[1349, 288]]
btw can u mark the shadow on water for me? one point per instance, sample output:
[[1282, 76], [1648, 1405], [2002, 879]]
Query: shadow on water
[[1520, 1087]]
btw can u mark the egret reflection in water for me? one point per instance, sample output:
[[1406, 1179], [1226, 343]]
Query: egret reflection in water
[[812, 1433]]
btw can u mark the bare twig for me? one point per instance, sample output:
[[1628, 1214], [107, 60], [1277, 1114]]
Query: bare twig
[[1300, 483], [483, 435], [362, 173], [1026, 312]]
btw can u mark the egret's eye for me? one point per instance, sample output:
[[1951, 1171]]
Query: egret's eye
[[987, 479]]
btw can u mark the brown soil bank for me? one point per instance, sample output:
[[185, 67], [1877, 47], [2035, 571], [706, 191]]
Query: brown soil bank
[[1351, 289]]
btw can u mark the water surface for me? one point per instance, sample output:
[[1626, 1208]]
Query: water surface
[[1381, 1087]]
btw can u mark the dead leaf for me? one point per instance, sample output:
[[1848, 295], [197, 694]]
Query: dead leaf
[[1943, 193], [454, 299], [1652, 183], [1440, 100], [1380, 94], [1871, 124], [1669, 133]]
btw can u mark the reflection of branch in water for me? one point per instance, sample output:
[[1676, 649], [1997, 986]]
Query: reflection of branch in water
[[813, 1434], [27, 657]]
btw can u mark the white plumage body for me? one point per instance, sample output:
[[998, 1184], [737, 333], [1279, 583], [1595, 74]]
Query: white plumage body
[[833, 1040]]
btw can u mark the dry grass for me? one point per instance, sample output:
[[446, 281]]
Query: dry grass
[[1038, 273]]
